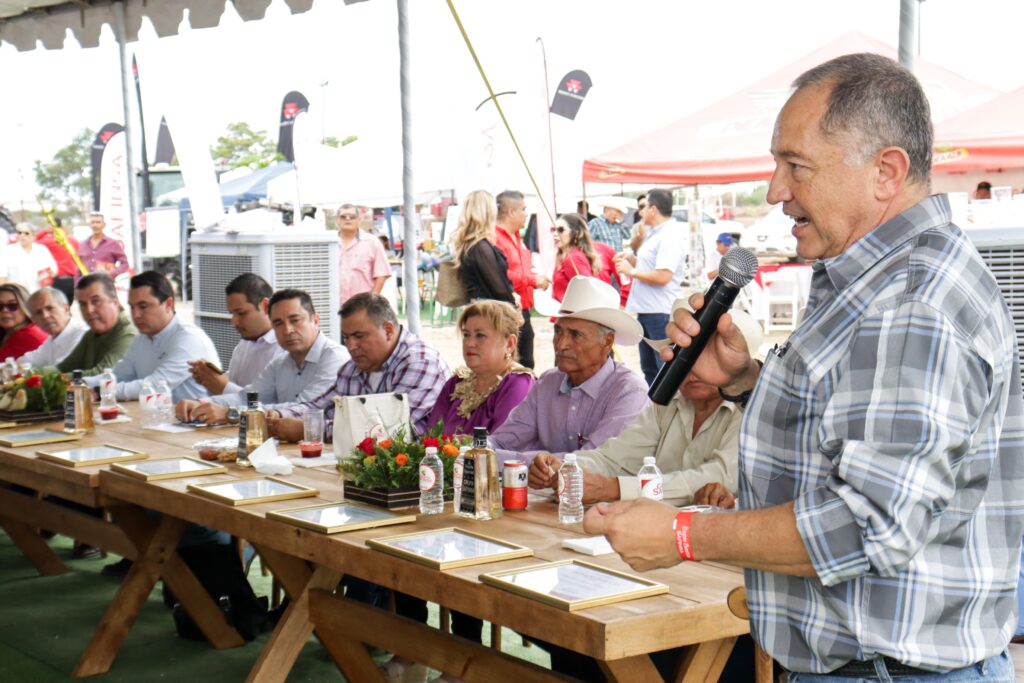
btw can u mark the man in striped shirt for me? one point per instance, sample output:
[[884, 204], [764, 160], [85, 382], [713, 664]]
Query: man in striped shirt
[[882, 450]]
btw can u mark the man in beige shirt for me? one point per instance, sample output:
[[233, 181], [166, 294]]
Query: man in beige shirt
[[694, 440]]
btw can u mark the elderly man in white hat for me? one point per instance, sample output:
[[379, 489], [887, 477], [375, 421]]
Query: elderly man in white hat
[[610, 227], [589, 397], [694, 440]]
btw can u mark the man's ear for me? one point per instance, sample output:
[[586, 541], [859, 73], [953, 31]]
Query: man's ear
[[265, 305], [893, 166]]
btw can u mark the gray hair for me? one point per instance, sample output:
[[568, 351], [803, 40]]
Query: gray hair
[[54, 293], [27, 226], [602, 330], [879, 104]]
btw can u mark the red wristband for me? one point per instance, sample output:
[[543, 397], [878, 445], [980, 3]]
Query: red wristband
[[681, 525]]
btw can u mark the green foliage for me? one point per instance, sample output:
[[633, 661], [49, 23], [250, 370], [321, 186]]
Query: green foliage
[[395, 462], [242, 146], [67, 177], [757, 197], [332, 141], [44, 388]]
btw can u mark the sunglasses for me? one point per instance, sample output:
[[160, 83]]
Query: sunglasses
[[347, 217], [558, 230], [10, 308], [24, 233]]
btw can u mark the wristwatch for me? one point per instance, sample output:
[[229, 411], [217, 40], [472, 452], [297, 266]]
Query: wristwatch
[[233, 416]]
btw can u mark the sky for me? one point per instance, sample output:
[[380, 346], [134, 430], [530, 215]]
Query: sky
[[651, 61]]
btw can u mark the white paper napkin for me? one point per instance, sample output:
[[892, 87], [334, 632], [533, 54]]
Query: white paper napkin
[[119, 418], [266, 460], [592, 545], [314, 462]]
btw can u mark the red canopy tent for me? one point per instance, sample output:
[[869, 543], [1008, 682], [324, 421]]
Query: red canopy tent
[[728, 141], [989, 137]]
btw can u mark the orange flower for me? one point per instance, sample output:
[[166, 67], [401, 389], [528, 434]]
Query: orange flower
[[386, 444], [401, 459], [450, 450]]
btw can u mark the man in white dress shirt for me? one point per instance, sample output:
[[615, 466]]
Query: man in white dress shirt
[[307, 369], [52, 314], [248, 298], [164, 345]]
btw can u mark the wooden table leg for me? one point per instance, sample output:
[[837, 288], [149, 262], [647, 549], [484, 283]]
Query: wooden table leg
[[345, 625], [34, 548], [704, 662], [293, 630], [638, 668], [156, 543]]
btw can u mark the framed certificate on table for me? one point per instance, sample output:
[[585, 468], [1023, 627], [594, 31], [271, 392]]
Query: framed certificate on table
[[449, 548], [91, 455], [573, 585], [332, 518], [169, 468], [36, 437], [250, 491]]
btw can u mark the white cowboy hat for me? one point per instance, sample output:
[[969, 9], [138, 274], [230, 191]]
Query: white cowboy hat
[[620, 203], [587, 298]]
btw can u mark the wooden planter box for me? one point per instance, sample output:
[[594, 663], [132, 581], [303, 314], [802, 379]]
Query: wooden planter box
[[392, 499], [26, 417]]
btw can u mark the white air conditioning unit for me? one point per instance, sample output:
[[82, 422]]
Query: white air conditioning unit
[[1002, 249], [306, 261]]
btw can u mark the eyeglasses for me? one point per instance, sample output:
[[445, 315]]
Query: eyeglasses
[[10, 308], [347, 217], [558, 230], [21, 232]]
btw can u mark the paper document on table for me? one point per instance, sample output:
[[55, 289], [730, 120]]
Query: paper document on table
[[594, 545], [170, 429]]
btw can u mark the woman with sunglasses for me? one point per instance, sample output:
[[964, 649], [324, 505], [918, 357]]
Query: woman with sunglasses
[[483, 268], [576, 254], [26, 262], [20, 334]]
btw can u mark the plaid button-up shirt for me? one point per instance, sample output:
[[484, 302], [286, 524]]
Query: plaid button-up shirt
[[413, 368], [893, 418], [612, 234]]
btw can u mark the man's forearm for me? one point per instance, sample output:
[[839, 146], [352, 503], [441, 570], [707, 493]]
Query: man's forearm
[[764, 539]]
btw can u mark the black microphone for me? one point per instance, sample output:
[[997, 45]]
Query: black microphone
[[738, 268]]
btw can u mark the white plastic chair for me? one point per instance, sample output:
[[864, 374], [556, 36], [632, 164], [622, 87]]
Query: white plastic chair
[[783, 298]]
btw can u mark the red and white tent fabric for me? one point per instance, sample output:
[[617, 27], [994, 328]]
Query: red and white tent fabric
[[989, 137], [728, 141]]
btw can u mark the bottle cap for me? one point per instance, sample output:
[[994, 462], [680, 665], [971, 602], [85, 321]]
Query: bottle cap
[[569, 457], [649, 460], [431, 449], [479, 432], [108, 369], [77, 375]]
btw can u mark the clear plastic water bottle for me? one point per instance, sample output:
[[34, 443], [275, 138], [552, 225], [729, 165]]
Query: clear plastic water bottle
[[431, 483], [650, 479], [108, 388], [570, 491], [457, 477], [147, 403], [164, 403]]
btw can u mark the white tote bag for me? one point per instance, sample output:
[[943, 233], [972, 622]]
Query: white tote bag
[[376, 415]]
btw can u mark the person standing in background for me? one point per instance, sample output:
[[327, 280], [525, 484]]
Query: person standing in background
[[511, 219], [362, 263], [63, 251], [100, 253], [26, 263]]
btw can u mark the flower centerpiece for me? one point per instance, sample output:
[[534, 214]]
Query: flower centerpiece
[[386, 471], [35, 396]]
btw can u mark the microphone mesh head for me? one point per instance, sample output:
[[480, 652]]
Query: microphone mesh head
[[738, 267]]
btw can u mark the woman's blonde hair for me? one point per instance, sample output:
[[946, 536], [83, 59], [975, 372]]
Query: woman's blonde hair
[[476, 221], [503, 317]]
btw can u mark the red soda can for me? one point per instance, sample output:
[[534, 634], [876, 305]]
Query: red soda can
[[514, 480]]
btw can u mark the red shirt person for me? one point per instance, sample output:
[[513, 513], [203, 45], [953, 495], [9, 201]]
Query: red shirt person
[[511, 219]]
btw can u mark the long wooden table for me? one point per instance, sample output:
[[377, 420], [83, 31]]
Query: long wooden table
[[309, 565]]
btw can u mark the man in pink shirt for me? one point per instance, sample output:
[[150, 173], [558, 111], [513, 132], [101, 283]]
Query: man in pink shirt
[[362, 263]]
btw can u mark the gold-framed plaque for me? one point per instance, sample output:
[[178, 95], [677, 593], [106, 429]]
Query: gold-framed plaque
[[168, 468], [333, 518], [573, 585], [449, 548], [251, 491], [103, 454], [36, 437]]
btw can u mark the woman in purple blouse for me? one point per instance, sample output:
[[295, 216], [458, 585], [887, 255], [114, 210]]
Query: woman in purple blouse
[[492, 383]]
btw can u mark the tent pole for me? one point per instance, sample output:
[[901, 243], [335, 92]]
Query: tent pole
[[409, 254], [909, 12], [133, 200]]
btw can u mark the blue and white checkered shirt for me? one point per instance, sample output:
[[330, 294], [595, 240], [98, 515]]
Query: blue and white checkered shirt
[[893, 418], [612, 234]]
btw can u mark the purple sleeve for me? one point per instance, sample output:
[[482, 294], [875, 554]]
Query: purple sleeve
[[443, 404], [512, 392]]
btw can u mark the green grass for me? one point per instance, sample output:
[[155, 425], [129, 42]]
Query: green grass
[[46, 622]]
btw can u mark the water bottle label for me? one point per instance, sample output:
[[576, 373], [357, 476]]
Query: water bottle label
[[428, 478], [108, 385], [457, 475], [651, 488]]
